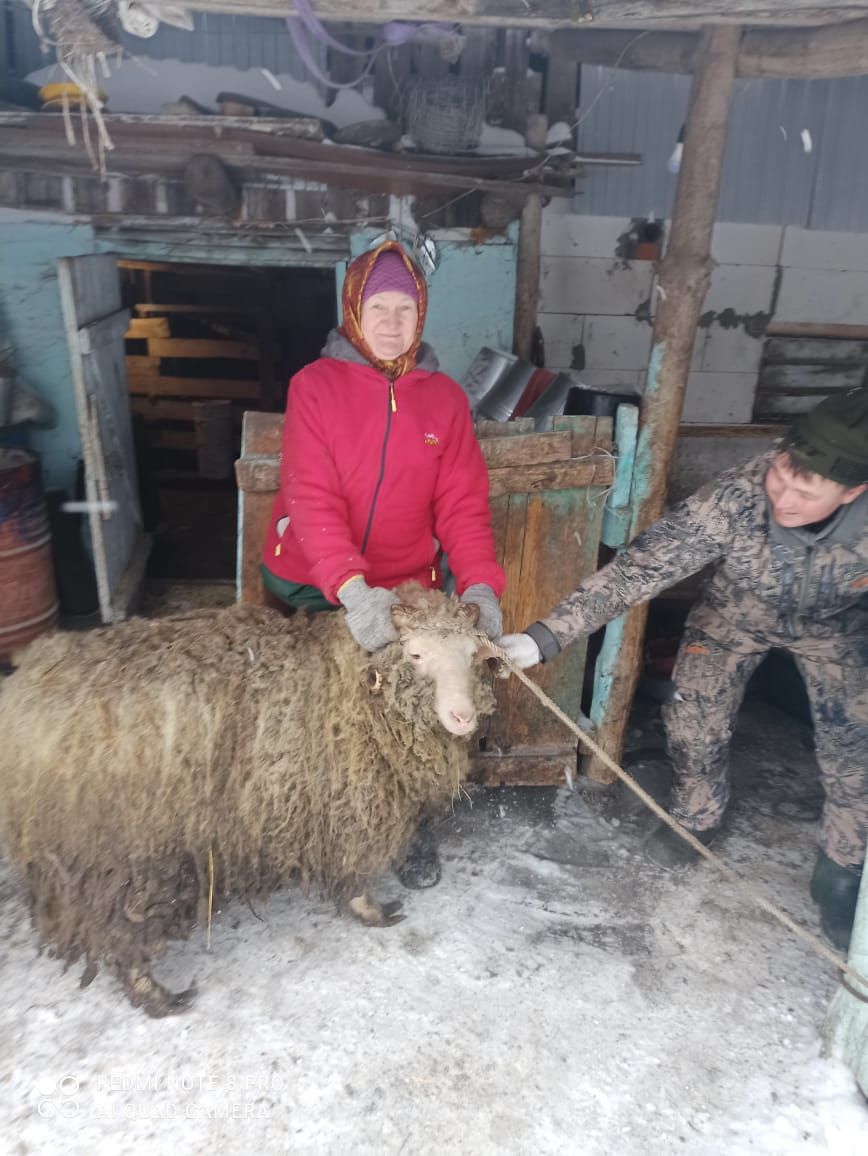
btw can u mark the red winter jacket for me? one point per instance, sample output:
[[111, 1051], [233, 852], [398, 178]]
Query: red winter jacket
[[377, 478]]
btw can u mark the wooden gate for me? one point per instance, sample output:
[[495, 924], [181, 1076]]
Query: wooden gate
[[548, 492]]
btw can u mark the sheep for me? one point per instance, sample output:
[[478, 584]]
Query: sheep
[[231, 752]]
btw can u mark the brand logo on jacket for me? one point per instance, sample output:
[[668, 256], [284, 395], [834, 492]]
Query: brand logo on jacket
[[431, 439]]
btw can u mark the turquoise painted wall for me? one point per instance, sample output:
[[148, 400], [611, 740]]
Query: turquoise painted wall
[[32, 324], [471, 299], [472, 293]]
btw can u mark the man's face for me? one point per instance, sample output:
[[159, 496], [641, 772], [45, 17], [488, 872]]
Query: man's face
[[388, 323], [800, 500]]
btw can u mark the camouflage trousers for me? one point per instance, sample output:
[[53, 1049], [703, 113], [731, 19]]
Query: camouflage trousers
[[710, 676]]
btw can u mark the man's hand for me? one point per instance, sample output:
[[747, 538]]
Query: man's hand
[[490, 618], [368, 613], [522, 650]]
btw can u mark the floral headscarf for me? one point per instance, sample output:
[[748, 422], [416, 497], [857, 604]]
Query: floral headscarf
[[358, 272]]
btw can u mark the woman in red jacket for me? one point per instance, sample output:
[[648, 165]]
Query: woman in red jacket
[[381, 474]]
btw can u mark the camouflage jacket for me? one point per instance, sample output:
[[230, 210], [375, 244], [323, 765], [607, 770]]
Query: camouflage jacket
[[795, 589]]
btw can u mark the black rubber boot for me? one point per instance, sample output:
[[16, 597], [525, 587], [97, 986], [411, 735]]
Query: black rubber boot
[[667, 849], [835, 890], [421, 866]]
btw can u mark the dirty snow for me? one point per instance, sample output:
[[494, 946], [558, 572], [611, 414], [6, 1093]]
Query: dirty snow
[[554, 994]]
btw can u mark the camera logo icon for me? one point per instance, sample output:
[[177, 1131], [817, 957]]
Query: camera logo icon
[[58, 1097]]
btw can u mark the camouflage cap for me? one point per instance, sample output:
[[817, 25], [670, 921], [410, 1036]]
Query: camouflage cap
[[832, 440]]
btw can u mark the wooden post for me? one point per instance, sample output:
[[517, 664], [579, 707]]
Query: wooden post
[[527, 257], [684, 276]]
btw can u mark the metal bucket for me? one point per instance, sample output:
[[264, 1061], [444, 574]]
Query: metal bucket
[[552, 401], [28, 598], [487, 369], [499, 404]]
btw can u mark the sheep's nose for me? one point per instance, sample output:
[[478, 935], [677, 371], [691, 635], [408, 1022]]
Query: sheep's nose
[[463, 718]]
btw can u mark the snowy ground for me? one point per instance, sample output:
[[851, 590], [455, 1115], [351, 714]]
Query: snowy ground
[[555, 994]]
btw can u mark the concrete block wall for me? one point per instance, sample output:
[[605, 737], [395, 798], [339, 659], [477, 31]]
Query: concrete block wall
[[596, 308]]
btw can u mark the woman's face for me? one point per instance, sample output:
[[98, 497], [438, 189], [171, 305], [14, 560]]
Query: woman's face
[[389, 324]]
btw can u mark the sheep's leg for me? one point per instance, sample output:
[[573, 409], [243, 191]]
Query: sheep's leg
[[155, 1000], [373, 913]]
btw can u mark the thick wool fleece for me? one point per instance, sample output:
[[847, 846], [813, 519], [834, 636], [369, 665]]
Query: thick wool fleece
[[275, 745]]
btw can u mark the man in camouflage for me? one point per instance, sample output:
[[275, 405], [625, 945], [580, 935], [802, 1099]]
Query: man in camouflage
[[788, 536]]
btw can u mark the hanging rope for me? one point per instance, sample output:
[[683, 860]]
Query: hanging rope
[[814, 942]]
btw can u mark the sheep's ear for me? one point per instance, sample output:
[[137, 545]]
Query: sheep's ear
[[470, 612], [372, 679], [404, 617]]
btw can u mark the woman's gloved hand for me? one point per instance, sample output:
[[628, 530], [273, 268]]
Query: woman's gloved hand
[[490, 618], [522, 650], [369, 613]]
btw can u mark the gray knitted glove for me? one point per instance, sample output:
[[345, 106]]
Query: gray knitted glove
[[368, 614], [490, 618]]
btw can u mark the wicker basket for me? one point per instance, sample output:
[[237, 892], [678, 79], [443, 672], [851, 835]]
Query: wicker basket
[[444, 115]]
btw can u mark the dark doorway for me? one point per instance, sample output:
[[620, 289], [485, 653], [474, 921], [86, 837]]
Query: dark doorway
[[206, 343]]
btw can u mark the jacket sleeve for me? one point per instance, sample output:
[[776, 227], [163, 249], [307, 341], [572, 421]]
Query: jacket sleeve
[[462, 516], [312, 491], [688, 537]]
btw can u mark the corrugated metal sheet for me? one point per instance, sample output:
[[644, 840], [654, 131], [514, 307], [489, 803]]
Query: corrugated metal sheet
[[769, 176]]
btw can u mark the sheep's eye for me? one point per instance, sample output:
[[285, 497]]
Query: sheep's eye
[[415, 657]]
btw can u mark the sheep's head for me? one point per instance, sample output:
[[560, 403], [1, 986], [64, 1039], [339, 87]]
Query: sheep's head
[[441, 669]]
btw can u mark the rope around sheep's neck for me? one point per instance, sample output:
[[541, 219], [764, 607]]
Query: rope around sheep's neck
[[813, 941]]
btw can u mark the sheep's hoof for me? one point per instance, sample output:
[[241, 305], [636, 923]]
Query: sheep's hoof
[[375, 914], [155, 1000]]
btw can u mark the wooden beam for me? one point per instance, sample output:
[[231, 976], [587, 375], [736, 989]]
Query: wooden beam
[[557, 13], [684, 277], [527, 261], [833, 50]]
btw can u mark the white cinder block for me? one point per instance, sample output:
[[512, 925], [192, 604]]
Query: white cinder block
[[740, 289], [733, 244], [593, 286], [729, 350], [816, 249], [616, 343], [719, 397], [562, 334], [573, 235], [821, 295]]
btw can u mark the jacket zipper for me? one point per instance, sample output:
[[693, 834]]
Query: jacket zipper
[[391, 408]]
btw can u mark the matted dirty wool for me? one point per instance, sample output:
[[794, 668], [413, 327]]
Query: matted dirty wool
[[276, 745]]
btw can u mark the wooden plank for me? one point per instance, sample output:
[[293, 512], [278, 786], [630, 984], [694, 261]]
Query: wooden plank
[[816, 329], [153, 410], [823, 378], [564, 14], [828, 351], [546, 768], [148, 308], [262, 433], [753, 430], [148, 327], [194, 387], [258, 475], [504, 429], [571, 475], [526, 449], [785, 406], [201, 347]]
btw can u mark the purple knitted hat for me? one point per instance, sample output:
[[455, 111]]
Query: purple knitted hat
[[390, 274]]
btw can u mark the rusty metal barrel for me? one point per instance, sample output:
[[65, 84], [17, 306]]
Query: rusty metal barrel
[[28, 596]]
